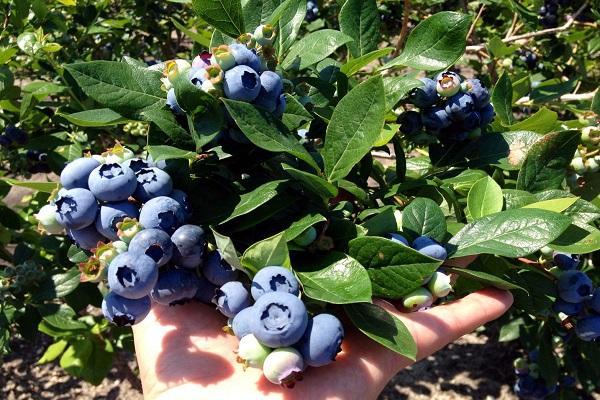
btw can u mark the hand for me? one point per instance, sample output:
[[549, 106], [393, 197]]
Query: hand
[[184, 354]]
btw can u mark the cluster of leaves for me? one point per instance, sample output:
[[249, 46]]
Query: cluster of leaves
[[500, 198]]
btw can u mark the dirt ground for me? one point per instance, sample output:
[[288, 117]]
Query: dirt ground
[[474, 367]]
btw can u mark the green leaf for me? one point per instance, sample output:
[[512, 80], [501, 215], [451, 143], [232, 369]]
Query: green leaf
[[45, 187], [552, 89], [314, 183], [313, 48], [227, 249], [266, 132], [541, 122], [423, 217], [395, 269], [578, 240], [76, 255], [511, 233], [485, 278], [596, 102], [541, 292], [60, 316], [257, 12], [295, 114], [252, 200], [119, 86], [166, 122], [463, 182], [354, 190], [382, 223], [359, 19], [268, 252], [499, 49], [510, 331], [386, 134], [95, 118], [382, 327], [200, 38], [57, 285], [53, 351], [75, 359], [502, 98], [337, 279], [435, 43], [356, 64], [190, 98], [354, 127], [160, 152], [225, 15], [485, 197], [556, 205], [289, 25], [546, 164], [396, 87], [303, 224]]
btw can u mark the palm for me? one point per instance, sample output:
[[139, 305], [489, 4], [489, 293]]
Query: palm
[[183, 353]]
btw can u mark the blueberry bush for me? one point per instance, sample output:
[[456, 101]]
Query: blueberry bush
[[305, 156]]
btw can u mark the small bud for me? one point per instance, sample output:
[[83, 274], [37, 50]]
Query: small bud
[[439, 284], [251, 352], [117, 154], [264, 35], [47, 220], [248, 40]]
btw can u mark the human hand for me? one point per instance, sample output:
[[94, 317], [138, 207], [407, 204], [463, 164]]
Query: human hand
[[184, 354]]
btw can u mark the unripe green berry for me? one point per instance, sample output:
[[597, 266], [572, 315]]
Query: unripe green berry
[[418, 299], [264, 35], [578, 165], [283, 366], [251, 352], [592, 165], [47, 220], [307, 237], [439, 284]]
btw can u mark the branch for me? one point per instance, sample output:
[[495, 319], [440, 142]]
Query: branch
[[543, 32], [472, 28], [564, 97], [404, 29]]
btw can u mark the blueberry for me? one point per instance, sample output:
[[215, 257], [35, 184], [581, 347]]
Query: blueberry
[[439, 284], [182, 198], [189, 243], [279, 319], [418, 299], [152, 182], [281, 106], [429, 247], [398, 238], [218, 271], [162, 213], [136, 164], [76, 208], [241, 323], [283, 366], [231, 298], [4, 141], [111, 214], [410, 122], [122, 311], [308, 236], [241, 83], [561, 306], [448, 83], [112, 182], [274, 279], [322, 340], [245, 56], [270, 90], [574, 286], [435, 119], [565, 260], [16, 135], [479, 94], [76, 173], [471, 121], [174, 285], [588, 328], [87, 238], [424, 96], [205, 291], [154, 243], [594, 302], [251, 352], [459, 106], [487, 114], [132, 275], [202, 60], [172, 102]]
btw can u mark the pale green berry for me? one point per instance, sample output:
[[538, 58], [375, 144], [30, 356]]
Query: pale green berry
[[283, 366], [592, 165], [578, 165], [307, 237], [47, 220], [264, 34], [418, 299], [590, 136], [120, 246], [248, 40], [223, 57], [520, 363], [439, 285], [251, 352]]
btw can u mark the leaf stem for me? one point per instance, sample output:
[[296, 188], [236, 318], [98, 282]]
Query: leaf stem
[[404, 29]]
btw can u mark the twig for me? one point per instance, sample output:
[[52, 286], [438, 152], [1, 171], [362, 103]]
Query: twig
[[472, 28], [512, 25], [564, 97], [529, 35], [404, 29]]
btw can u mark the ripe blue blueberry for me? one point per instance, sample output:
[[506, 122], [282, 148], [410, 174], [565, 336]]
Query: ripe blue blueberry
[[270, 90], [448, 83], [182, 198], [410, 122], [279, 319], [15, 134], [426, 95], [174, 285], [231, 298], [565, 260], [132, 275], [429, 247], [241, 83], [561, 306], [471, 121], [487, 114], [574, 286], [122, 311], [76, 173], [112, 182], [136, 164], [218, 271], [459, 106], [111, 214], [154, 243], [281, 106], [283, 366], [435, 119], [76, 208], [152, 182], [172, 102], [205, 290], [398, 238], [274, 279], [417, 300], [189, 243], [241, 323], [162, 213], [594, 302], [588, 328], [322, 340], [245, 56], [480, 95], [87, 238]]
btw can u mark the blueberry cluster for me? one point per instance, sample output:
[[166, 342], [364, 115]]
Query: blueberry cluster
[[578, 302], [530, 385], [548, 13], [312, 11], [451, 110], [528, 58], [437, 285], [275, 331], [238, 71], [13, 136]]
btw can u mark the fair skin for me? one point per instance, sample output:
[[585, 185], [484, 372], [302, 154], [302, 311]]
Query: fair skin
[[184, 354]]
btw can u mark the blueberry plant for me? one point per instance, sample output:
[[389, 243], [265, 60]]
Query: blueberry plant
[[286, 166]]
